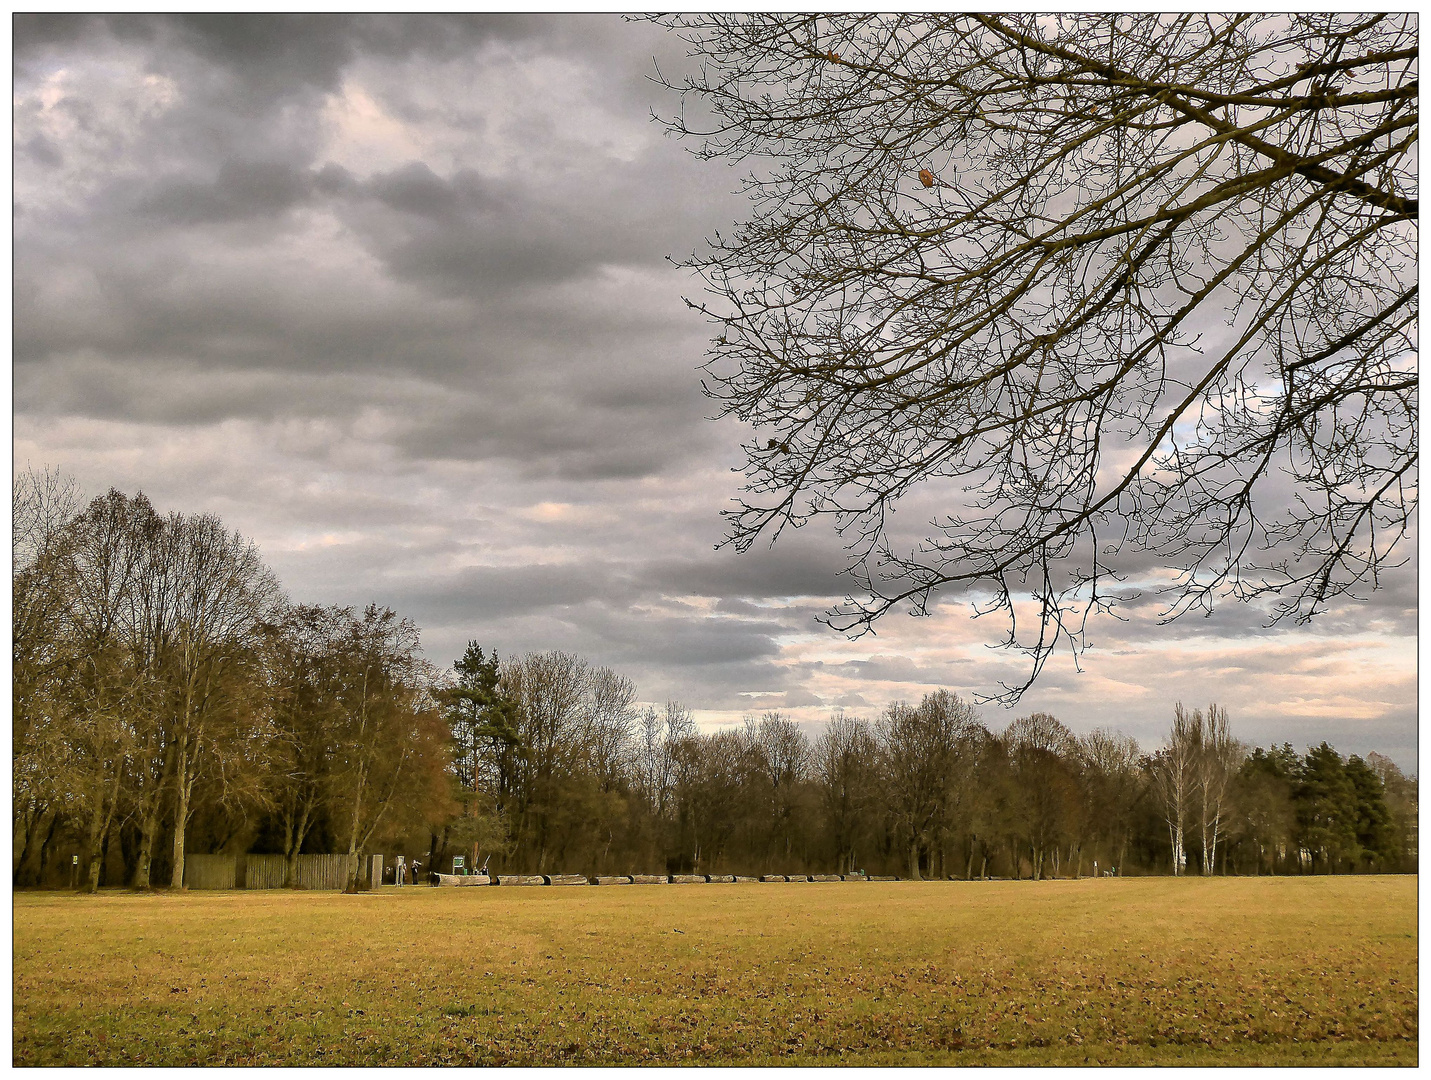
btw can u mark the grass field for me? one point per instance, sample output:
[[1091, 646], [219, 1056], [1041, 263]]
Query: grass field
[[1153, 970]]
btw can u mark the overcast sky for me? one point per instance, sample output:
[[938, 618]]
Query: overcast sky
[[392, 297]]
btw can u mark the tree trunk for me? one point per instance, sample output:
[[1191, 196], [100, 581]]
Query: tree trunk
[[46, 848], [352, 881], [148, 825], [25, 829], [95, 845], [98, 826], [104, 856], [150, 803], [182, 785]]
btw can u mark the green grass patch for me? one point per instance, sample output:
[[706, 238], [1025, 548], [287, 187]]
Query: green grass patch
[[1137, 971]]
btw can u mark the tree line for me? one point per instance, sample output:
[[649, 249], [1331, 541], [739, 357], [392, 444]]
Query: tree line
[[168, 698]]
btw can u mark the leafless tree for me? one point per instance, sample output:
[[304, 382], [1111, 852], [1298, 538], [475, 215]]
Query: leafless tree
[[919, 752], [844, 757], [780, 752], [551, 691], [104, 698], [41, 503], [1219, 756], [608, 725], [305, 676], [1114, 785], [222, 593], [386, 694], [1174, 771], [1039, 748], [1130, 294]]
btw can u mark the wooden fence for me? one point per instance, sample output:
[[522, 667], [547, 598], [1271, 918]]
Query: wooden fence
[[210, 871], [322, 871], [265, 871]]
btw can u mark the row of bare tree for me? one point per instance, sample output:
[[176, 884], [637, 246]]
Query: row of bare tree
[[567, 772], [168, 697]]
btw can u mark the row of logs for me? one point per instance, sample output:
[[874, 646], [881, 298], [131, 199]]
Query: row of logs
[[637, 879]]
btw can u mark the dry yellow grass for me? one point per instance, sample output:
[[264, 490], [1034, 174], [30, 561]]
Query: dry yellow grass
[[1154, 970]]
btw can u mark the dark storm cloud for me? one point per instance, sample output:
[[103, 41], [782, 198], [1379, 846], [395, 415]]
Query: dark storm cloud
[[487, 290], [242, 190], [275, 55], [465, 232], [809, 570]]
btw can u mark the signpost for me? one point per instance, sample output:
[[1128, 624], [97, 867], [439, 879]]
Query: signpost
[[459, 864]]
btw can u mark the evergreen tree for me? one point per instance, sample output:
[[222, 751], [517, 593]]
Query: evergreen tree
[[1326, 801], [1375, 831]]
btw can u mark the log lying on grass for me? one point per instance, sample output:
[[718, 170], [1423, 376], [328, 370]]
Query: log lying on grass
[[853, 877], [824, 877], [747, 880], [521, 879], [688, 879], [565, 879], [884, 879], [600, 880], [462, 879], [724, 878], [648, 879], [772, 877]]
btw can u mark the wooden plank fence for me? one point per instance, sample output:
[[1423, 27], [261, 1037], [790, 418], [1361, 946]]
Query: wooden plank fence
[[265, 871], [314, 871], [322, 871], [210, 871]]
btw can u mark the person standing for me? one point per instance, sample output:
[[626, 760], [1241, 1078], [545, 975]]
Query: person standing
[[415, 879]]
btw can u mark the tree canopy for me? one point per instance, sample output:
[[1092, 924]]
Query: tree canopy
[[1134, 297]]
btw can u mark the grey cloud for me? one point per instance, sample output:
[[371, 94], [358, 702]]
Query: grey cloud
[[490, 591], [241, 190], [795, 699], [273, 55], [790, 569], [901, 669], [42, 151], [467, 232], [502, 366]]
